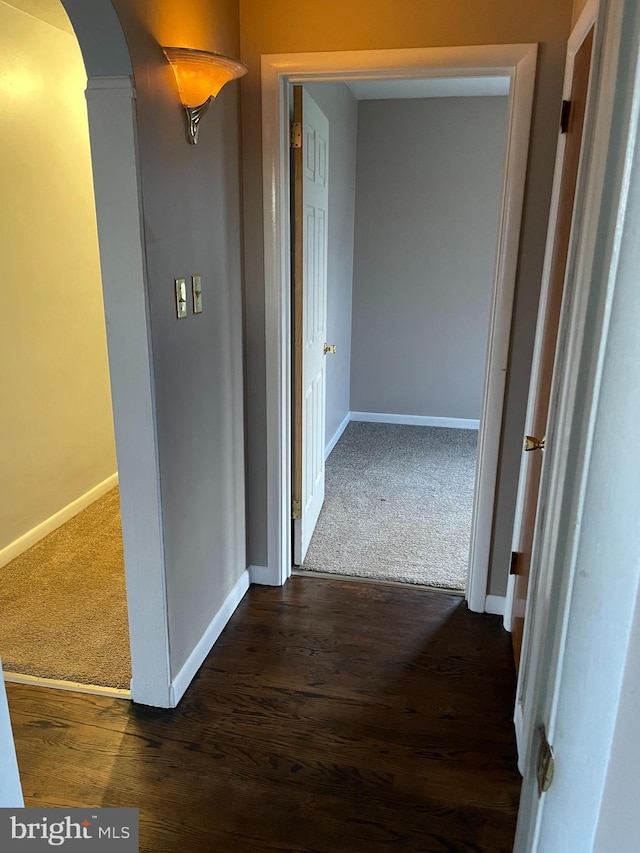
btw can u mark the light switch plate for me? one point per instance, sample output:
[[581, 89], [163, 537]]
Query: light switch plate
[[181, 298], [196, 289]]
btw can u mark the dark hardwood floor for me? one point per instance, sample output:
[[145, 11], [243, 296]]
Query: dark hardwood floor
[[331, 717]]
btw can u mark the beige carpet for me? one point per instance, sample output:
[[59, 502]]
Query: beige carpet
[[63, 610], [398, 504]]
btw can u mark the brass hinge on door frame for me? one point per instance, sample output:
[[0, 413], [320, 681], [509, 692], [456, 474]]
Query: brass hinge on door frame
[[296, 510], [545, 765], [295, 134], [533, 443]]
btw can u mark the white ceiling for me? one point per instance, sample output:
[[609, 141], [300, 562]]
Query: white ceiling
[[428, 87], [50, 11]]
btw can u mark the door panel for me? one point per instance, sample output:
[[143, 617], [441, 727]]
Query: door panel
[[532, 471], [310, 208]]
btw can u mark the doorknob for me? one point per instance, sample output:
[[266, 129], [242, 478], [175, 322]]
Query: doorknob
[[533, 443], [329, 348]]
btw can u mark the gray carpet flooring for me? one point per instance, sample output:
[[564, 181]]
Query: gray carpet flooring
[[398, 505]]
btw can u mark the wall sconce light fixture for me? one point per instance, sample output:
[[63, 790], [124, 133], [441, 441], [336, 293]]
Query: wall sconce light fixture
[[200, 74]]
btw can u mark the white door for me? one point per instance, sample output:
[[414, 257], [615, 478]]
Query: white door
[[540, 389], [311, 197], [532, 572]]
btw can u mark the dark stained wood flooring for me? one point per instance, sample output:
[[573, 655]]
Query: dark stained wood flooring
[[331, 717]]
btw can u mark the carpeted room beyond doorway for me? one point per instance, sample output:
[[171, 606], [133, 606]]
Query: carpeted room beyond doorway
[[398, 504], [63, 606]]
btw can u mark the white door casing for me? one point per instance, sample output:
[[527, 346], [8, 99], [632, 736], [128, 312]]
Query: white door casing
[[539, 577], [518, 62], [582, 625], [315, 202]]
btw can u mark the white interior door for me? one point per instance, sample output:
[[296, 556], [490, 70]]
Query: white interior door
[[311, 197], [533, 573]]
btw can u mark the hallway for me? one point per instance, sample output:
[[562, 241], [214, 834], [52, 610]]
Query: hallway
[[331, 717]]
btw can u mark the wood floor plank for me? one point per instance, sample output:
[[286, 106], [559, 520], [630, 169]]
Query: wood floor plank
[[331, 717]]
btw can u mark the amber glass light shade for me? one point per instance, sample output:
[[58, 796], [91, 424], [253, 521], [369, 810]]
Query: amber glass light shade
[[200, 74]]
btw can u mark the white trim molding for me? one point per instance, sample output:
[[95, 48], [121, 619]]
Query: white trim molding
[[263, 576], [335, 438], [113, 137], [494, 604], [31, 537], [509, 603], [415, 420], [279, 71], [217, 625]]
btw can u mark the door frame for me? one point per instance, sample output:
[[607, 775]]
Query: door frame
[[538, 570], [516, 61], [589, 535]]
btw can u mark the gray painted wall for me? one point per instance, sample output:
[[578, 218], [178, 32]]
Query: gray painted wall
[[191, 196], [341, 108], [427, 205], [191, 213]]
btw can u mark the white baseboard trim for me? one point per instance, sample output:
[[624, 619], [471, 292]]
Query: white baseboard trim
[[508, 603], [495, 604], [195, 660], [415, 420], [263, 576], [336, 436], [29, 539]]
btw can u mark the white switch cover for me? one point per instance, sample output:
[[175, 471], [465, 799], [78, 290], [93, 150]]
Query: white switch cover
[[196, 287], [181, 298]]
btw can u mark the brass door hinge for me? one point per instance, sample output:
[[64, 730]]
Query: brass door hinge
[[295, 134], [545, 764], [564, 116], [296, 510], [533, 443], [514, 568]]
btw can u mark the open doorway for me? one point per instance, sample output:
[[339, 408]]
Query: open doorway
[[415, 174], [517, 62], [62, 584]]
